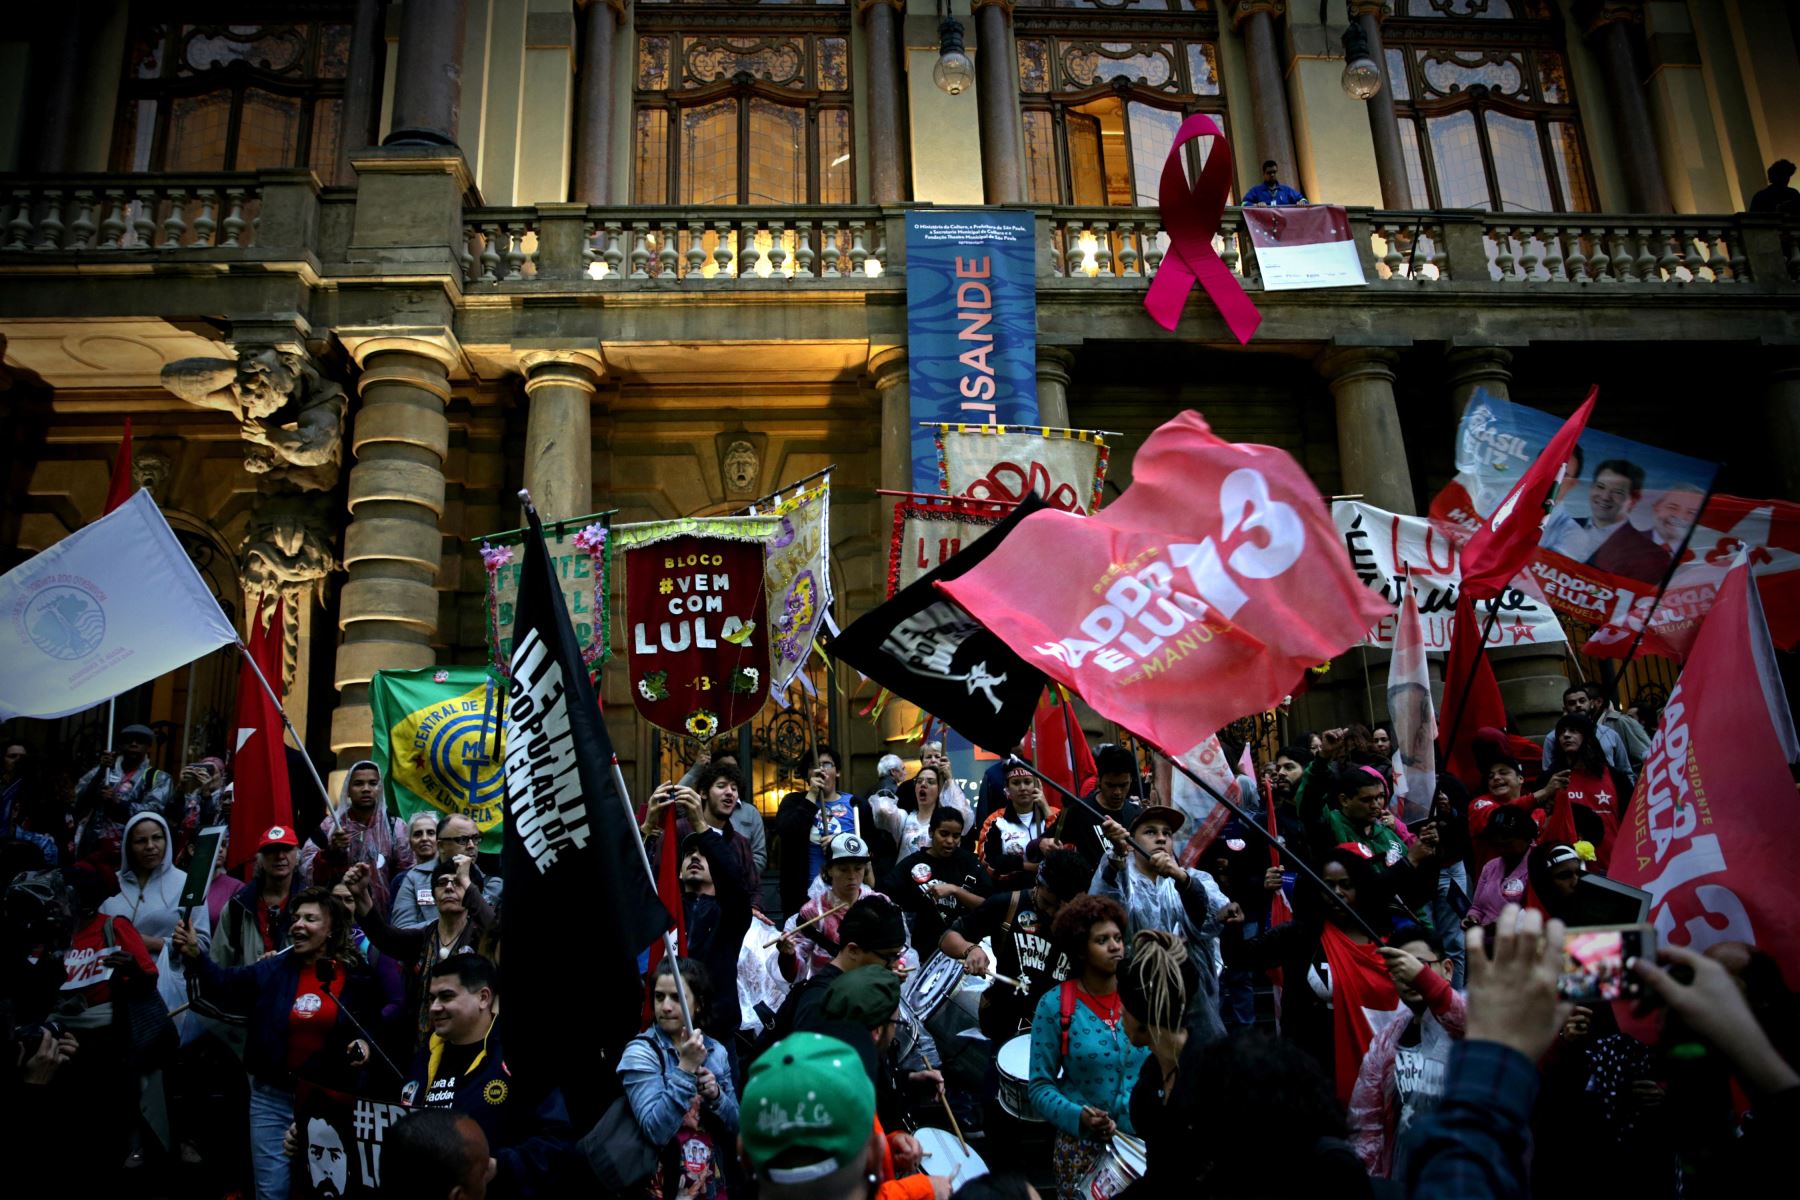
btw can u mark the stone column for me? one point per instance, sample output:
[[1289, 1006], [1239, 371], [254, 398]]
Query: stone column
[[1486, 367], [388, 611], [1384, 125], [881, 25], [592, 183], [428, 78], [362, 90], [1371, 450], [1606, 26], [1255, 22], [1781, 410], [1053, 366], [997, 103], [559, 430]]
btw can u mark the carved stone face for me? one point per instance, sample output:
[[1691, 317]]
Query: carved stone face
[[741, 468], [149, 469]]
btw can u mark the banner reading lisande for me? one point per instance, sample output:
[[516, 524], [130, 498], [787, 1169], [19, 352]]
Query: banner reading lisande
[[437, 738], [106, 609], [971, 324]]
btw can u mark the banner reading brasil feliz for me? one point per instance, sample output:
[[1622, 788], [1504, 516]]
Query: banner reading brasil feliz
[[696, 621], [437, 739], [971, 324], [581, 555]]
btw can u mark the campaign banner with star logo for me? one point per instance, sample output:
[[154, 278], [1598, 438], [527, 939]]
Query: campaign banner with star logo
[[1388, 551], [697, 621]]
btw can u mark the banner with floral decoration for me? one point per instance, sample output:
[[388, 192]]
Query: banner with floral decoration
[[797, 577], [1066, 467], [929, 529], [697, 637], [581, 551]]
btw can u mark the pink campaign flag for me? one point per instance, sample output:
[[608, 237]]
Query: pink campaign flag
[[1415, 720]]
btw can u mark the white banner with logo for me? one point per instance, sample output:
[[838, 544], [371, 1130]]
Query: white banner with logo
[[1006, 462], [106, 609], [1385, 549]]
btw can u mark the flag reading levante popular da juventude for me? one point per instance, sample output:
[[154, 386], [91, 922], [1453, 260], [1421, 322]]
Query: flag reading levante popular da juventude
[[579, 904], [1201, 594], [1713, 822]]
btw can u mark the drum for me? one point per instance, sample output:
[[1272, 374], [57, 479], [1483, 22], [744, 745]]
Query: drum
[[1119, 1166], [945, 1156], [1014, 1062], [931, 986]]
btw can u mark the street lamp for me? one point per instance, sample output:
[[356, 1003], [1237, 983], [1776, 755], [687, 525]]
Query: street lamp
[[1362, 74], [954, 71]]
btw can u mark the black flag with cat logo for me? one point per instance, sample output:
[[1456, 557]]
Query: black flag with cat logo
[[924, 647], [579, 905]]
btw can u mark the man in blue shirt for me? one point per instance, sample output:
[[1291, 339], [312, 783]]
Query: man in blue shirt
[[1271, 191]]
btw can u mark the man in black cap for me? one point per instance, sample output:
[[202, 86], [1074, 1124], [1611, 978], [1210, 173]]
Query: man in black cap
[[715, 901], [1019, 924], [1079, 827], [124, 784], [872, 934]]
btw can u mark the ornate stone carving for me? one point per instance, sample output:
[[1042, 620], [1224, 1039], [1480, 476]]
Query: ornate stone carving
[[290, 413], [150, 470], [287, 555], [741, 467]]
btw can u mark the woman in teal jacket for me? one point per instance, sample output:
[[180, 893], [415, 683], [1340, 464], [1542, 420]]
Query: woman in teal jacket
[[1082, 1066]]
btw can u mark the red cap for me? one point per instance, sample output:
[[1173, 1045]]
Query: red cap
[[1356, 848], [278, 835]]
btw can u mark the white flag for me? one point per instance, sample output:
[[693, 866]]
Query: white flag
[[101, 612], [1415, 721]]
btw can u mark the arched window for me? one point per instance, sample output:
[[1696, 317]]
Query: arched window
[[725, 116], [1487, 113], [237, 97], [1103, 93]]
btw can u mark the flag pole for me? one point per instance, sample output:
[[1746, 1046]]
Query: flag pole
[[1074, 799], [1462, 703], [292, 732], [1668, 575], [670, 950]]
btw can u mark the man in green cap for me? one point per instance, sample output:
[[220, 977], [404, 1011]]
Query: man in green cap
[[869, 998], [808, 1117]]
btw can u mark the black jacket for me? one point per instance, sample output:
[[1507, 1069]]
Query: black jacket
[[716, 926], [793, 830]]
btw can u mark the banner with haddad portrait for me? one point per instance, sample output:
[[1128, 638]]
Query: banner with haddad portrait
[[797, 577], [1066, 467], [696, 621]]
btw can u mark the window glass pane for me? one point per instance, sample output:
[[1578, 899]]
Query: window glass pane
[[1088, 63], [1152, 133], [1571, 172], [1519, 164], [273, 48], [1415, 168], [334, 51], [834, 65], [653, 64], [780, 61], [1040, 157], [268, 132], [1203, 68], [1034, 65], [1114, 179], [147, 52], [1553, 77], [323, 159], [140, 132], [197, 129], [1396, 73], [709, 154], [777, 153], [650, 166], [1456, 154], [837, 178], [1449, 72], [1084, 160]]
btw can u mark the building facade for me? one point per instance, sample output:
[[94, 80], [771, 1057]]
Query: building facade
[[359, 271]]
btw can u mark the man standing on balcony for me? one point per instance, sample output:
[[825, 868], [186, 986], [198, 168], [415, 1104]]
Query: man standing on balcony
[[1271, 192]]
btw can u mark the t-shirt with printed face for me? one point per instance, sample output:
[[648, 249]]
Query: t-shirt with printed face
[[1024, 952], [931, 915]]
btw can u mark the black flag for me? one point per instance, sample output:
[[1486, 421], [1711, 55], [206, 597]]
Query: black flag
[[579, 905], [924, 647]]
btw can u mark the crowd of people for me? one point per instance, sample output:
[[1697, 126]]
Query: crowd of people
[[974, 987]]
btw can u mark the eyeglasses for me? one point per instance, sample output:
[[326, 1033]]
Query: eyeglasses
[[888, 957], [466, 839]]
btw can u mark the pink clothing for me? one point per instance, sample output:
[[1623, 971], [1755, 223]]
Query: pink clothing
[[1497, 887], [1374, 1112]]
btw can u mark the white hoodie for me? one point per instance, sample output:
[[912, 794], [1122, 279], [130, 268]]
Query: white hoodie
[[152, 905]]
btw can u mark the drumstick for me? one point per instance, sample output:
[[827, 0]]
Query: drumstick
[[945, 1101], [796, 929], [1017, 985]]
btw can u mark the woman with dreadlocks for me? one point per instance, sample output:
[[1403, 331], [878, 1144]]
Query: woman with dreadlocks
[[1155, 985]]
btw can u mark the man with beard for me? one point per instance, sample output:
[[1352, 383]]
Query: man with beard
[[935, 885], [715, 900], [463, 1068]]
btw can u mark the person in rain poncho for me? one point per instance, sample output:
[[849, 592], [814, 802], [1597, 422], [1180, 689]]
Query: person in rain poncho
[[360, 831]]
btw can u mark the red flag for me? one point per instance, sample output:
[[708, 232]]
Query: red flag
[[1363, 1000], [259, 778], [1508, 538], [1712, 825], [1280, 911], [668, 887], [1057, 740], [1471, 697], [1199, 595], [119, 491]]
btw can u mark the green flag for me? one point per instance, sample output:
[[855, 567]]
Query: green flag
[[437, 736]]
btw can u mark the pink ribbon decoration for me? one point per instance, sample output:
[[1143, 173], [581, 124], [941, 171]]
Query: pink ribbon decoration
[[1190, 215]]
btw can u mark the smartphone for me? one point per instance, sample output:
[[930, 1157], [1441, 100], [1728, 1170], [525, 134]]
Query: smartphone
[[1594, 959]]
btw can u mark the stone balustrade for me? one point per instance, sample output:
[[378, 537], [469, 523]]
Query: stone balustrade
[[138, 212]]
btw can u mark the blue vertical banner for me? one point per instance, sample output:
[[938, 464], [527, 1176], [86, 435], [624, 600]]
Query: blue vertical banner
[[971, 324]]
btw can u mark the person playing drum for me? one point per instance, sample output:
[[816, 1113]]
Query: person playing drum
[[1082, 1065], [1019, 924]]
